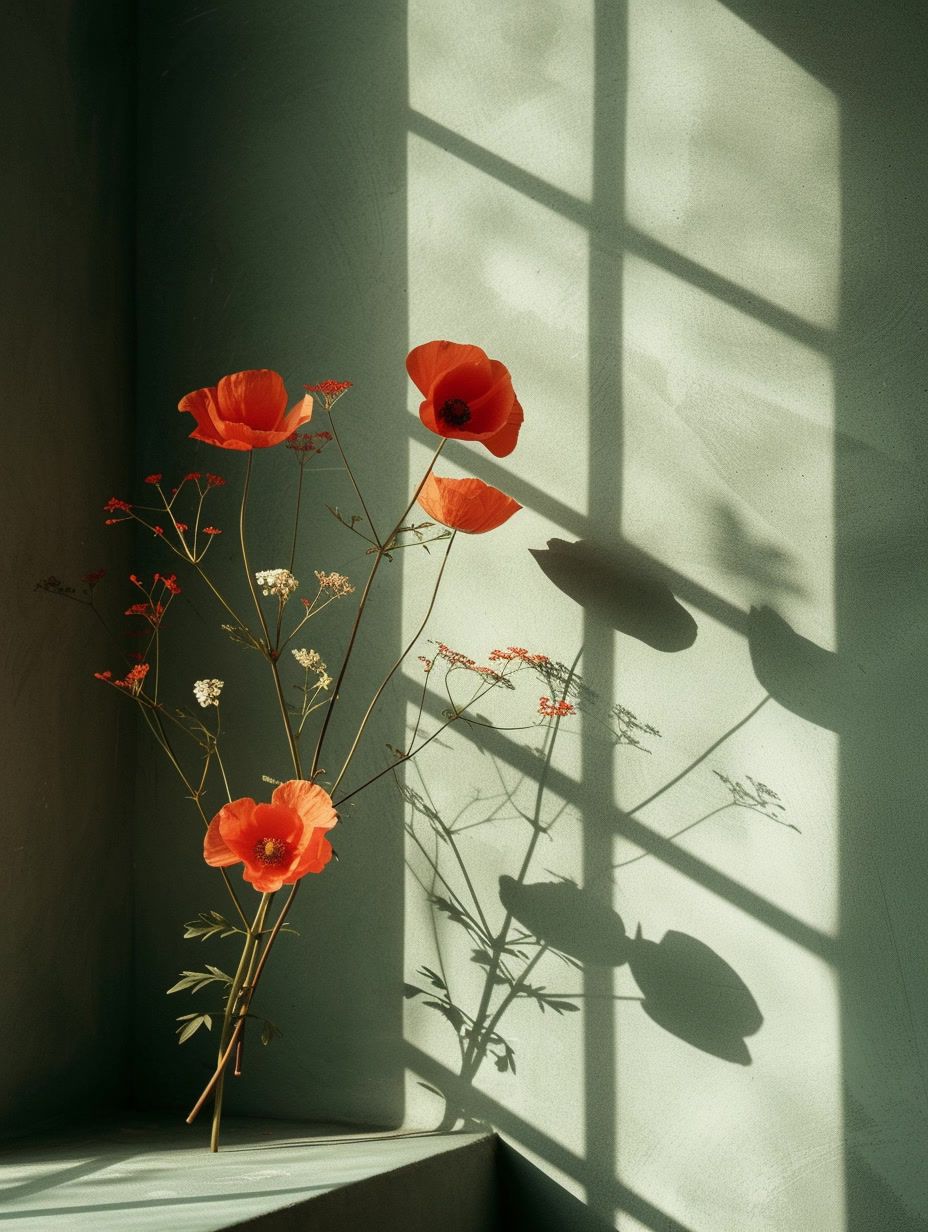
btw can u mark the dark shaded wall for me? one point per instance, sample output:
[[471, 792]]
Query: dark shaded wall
[[272, 234], [65, 374]]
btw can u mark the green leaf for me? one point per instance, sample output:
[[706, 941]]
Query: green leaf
[[195, 980], [191, 1024], [208, 924]]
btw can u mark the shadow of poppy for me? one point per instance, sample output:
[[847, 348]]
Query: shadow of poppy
[[688, 989], [803, 677], [623, 587], [695, 995]]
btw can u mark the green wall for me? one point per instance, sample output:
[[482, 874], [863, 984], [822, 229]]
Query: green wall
[[66, 360], [693, 231]]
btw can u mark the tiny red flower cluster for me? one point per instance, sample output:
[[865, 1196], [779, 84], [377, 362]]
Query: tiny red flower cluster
[[308, 442], [153, 479], [328, 387], [211, 530], [517, 652], [93, 578], [555, 710], [133, 679], [426, 663], [456, 659], [113, 505]]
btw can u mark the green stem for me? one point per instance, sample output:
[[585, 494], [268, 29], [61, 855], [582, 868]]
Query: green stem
[[238, 982], [269, 651], [296, 519], [479, 1035], [157, 729], [354, 482], [381, 552], [394, 668]]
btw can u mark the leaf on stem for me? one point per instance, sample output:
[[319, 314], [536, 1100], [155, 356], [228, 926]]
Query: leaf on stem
[[191, 1023], [195, 980], [208, 924]]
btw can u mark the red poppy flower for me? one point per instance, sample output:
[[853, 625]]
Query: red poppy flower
[[278, 842], [466, 504], [467, 395], [247, 410]]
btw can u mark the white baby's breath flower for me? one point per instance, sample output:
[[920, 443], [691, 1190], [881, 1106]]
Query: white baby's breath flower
[[207, 691], [279, 582], [309, 659], [324, 680]]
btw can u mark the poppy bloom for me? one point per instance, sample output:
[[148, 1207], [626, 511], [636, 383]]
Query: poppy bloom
[[467, 395], [278, 842], [469, 505], [247, 410]]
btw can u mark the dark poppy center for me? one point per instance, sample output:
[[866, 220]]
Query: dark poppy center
[[271, 850], [455, 412]]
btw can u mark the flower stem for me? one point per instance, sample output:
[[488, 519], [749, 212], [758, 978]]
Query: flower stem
[[239, 981], [393, 669], [382, 550], [269, 650]]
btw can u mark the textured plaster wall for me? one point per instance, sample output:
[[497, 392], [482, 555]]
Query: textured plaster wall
[[272, 168], [692, 231], [65, 368]]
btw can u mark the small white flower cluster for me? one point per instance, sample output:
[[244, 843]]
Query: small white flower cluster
[[207, 691], [279, 582], [311, 660]]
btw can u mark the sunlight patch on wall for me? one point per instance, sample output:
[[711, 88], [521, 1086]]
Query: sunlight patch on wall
[[729, 451], [732, 155], [516, 79]]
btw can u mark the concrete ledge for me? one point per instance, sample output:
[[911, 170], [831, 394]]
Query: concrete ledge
[[270, 1176]]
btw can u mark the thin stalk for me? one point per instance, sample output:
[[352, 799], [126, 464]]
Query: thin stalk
[[386, 680], [296, 518], [354, 482], [381, 552], [238, 980], [157, 729], [243, 1011], [479, 1034], [269, 650]]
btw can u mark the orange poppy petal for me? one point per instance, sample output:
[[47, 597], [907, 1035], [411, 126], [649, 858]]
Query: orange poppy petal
[[504, 441], [241, 436], [311, 803], [215, 851], [314, 858], [198, 403], [426, 363], [256, 397], [298, 415], [468, 505]]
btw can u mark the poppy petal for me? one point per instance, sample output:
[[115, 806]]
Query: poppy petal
[[468, 505], [198, 404], [504, 441], [256, 397], [426, 363], [314, 857], [311, 803], [216, 850], [298, 415]]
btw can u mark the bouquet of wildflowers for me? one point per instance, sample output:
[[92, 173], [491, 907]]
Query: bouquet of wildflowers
[[276, 840]]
